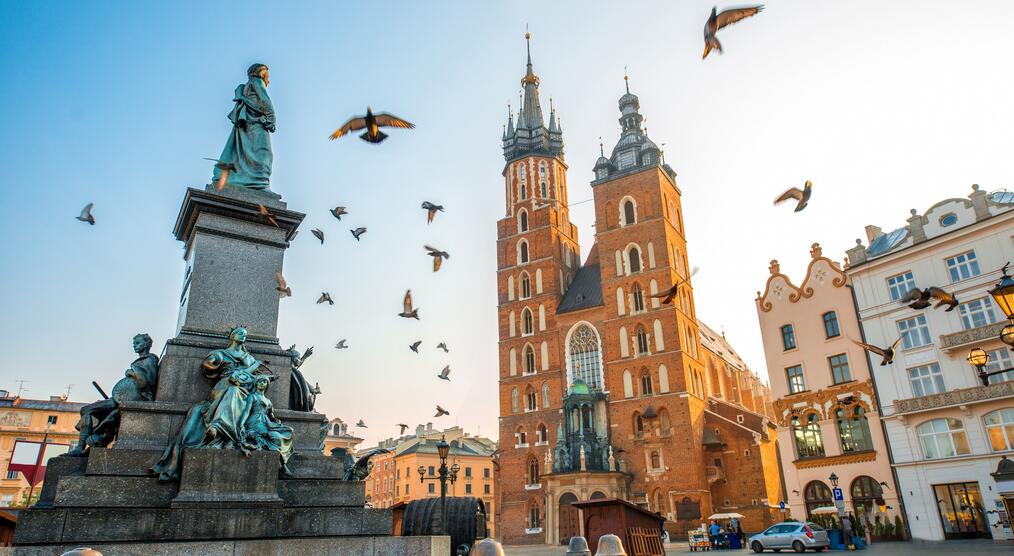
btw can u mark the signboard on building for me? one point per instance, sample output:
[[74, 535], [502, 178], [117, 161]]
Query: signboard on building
[[837, 494]]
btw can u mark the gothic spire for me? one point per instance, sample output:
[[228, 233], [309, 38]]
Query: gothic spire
[[530, 134]]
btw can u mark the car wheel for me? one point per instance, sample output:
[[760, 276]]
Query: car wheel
[[757, 547], [798, 546]]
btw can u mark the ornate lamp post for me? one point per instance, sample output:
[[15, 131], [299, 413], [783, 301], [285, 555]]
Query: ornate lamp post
[[1003, 294], [834, 480], [444, 474]]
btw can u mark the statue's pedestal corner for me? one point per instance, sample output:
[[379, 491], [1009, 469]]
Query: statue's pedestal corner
[[261, 196], [223, 477]]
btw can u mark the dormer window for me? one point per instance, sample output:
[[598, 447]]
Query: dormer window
[[627, 159], [601, 173]]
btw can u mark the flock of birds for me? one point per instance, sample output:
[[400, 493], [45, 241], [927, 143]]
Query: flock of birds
[[916, 299]]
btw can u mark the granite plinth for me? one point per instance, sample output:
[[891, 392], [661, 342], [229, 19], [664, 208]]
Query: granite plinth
[[114, 492], [121, 462], [56, 469], [335, 546], [309, 493], [219, 478]]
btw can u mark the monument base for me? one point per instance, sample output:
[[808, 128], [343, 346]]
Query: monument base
[[341, 546]]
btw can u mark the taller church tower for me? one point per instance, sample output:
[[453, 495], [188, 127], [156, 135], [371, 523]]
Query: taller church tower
[[537, 257]]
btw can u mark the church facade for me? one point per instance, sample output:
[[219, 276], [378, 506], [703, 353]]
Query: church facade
[[606, 391]]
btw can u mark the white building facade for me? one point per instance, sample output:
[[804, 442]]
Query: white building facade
[[947, 432]]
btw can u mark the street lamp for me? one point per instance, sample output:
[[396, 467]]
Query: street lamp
[[1003, 293], [834, 480], [979, 359], [444, 475]]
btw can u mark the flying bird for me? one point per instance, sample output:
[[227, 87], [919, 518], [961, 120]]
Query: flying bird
[[358, 232], [325, 297], [441, 412], [670, 293], [285, 290], [319, 234], [407, 311], [341, 344], [86, 214], [264, 212], [337, 212], [445, 374], [414, 346], [920, 299], [443, 346], [226, 167], [438, 256], [403, 428], [720, 20], [371, 123], [431, 210], [886, 354], [802, 196], [361, 424]]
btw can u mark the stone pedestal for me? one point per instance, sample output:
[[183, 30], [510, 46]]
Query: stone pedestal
[[225, 502]]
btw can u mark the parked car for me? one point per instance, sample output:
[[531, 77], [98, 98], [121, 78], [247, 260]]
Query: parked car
[[794, 535]]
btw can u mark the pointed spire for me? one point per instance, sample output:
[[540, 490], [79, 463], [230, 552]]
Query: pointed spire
[[510, 121], [552, 117], [602, 151], [626, 79]]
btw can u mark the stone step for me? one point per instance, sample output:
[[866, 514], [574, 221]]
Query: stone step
[[305, 493], [121, 461], [113, 492], [316, 466], [125, 525]]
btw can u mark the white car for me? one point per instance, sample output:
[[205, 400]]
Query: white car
[[793, 535]]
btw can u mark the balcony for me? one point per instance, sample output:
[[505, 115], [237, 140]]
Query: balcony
[[714, 473], [969, 337], [955, 397]]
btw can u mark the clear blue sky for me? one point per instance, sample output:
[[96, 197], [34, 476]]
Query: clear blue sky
[[885, 106]]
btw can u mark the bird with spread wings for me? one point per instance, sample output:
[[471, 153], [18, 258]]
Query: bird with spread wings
[[371, 123], [719, 20]]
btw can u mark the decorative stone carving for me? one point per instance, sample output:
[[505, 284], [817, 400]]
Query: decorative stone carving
[[965, 337], [955, 397]]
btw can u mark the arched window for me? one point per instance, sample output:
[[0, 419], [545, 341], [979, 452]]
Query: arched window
[[672, 213], [541, 434], [527, 324], [543, 179], [816, 494], [629, 212], [853, 430], [637, 299], [522, 182], [634, 259], [658, 502], [809, 443], [628, 384], [522, 221], [522, 437], [656, 460], [646, 389], [533, 517], [545, 394], [522, 251], [529, 360], [638, 424], [585, 356], [533, 471], [866, 495], [515, 406], [642, 341], [531, 399], [526, 286], [1000, 429], [943, 438]]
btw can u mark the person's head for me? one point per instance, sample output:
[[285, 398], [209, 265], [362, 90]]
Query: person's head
[[259, 70], [142, 343]]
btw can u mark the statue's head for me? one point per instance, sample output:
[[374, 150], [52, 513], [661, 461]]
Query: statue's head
[[238, 334], [142, 343], [294, 355], [262, 382], [258, 70]]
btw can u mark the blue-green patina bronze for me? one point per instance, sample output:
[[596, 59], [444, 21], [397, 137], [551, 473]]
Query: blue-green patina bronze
[[246, 159], [236, 414]]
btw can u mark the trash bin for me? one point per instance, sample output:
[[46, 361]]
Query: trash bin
[[834, 538]]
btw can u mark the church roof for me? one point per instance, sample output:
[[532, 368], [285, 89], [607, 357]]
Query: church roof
[[584, 292], [530, 135], [717, 344], [633, 151]]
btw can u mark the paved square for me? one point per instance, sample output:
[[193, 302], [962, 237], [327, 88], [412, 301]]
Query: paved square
[[970, 548]]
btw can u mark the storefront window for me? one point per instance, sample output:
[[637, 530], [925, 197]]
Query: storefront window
[[961, 511], [816, 495]]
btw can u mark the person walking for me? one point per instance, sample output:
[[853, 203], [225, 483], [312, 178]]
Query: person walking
[[846, 532], [713, 531]]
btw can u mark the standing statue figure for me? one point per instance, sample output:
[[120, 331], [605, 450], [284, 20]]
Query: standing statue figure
[[101, 420], [217, 422], [246, 159], [302, 396], [261, 429]]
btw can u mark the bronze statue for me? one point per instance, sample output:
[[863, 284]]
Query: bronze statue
[[101, 420], [221, 420], [261, 429], [247, 158], [302, 396]]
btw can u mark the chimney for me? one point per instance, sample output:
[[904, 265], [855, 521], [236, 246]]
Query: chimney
[[915, 228], [419, 430], [873, 232]]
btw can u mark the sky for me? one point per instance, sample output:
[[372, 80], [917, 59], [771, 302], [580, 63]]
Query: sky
[[886, 107]]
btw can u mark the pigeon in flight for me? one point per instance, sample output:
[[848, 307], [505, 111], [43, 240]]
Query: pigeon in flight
[[445, 373], [86, 214], [431, 210], [403, 428], [414, 346], [441, 412], [920, 299], [438, 256], [337, 212], [670, 293], [371, 123], [886, 354], [407, 311], [319, 234], [224, 176], [341, 344], [270, 217], [283, 288], [358, 232], [361, 424], [719, 20], [325, 297], [443, 346], [802, 196]]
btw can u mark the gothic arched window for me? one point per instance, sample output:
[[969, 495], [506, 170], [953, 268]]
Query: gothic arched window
[[531, 401], [656, 460], [515, 406], [634, 258], [526, 286], [545, 394], [646, 389], [585, 357], [629, 212], [541, 434], [522, 252], [637, 297], [533, 471], [638, 424], [523, 221], [527, 326], [529, 360], [642, 341]]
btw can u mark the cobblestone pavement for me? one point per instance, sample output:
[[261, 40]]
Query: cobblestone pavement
[[969, 548]]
